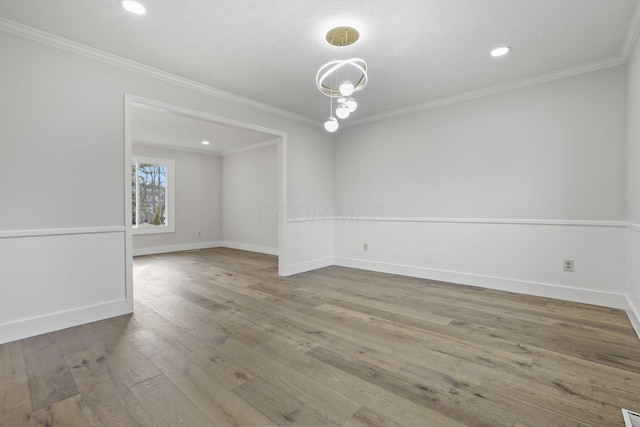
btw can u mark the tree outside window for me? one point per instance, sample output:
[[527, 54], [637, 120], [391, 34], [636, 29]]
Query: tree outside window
[[150, 194]]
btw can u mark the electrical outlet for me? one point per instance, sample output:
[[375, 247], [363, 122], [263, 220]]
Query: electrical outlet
[[568, 265], [365, 247]]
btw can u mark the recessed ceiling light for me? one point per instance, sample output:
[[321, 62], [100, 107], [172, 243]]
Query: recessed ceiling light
[[205, 142], [500, 51], [133, 7]]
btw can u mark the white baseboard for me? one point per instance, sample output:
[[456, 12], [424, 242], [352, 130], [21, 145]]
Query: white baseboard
[[53, 322], [269, 250], [585, 296], [634, 315], [303, 267], [151, 250]]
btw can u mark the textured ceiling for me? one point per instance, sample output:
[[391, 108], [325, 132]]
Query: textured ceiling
[[418, 51]]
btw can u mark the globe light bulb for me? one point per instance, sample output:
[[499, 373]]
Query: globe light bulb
[[351, 104], [342, 111], [133, 6], [346, 88], [500, 51], [331, 125]]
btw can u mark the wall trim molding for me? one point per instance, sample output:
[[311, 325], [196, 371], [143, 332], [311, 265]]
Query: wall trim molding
[[129, 65], [50, 322], [562, 222], [269, 250], [633, 226], [566, 293], [303, 267], [634, 315], [11, 234], [312, 219]]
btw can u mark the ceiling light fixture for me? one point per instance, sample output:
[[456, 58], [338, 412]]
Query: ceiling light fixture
[[342, 111], [347, 71], [500, 51], [351, 104], [133, 6], [205, 142], [331, 125]]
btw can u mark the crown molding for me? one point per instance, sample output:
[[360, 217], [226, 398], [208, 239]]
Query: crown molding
[[632, 33], [129, 65], [518, 84]]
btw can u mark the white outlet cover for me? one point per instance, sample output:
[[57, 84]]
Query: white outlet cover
[[631, 419], [568, 265]]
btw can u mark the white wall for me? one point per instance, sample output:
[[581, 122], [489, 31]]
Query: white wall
[[633, 188], [62, 174], [537, 174], [309, 232], [495, 191], [550, 151], [40, 293], [198, 180], [250, 199], [523, 258]]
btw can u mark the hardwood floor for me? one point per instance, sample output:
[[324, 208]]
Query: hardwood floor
[[219, 339]]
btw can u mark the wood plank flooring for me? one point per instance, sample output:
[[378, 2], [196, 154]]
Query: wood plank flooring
[[219, 339]]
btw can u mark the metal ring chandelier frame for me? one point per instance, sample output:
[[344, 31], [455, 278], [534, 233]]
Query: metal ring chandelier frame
[[332, 67]]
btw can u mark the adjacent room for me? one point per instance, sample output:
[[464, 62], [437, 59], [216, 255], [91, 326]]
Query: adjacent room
[[189, 236]]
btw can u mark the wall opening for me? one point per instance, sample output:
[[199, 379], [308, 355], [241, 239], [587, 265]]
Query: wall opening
[[156, 127]]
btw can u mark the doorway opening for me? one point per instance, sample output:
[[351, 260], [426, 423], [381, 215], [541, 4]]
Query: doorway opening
[[200, 147]]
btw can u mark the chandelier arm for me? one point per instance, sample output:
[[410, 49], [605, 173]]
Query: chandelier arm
[[362, 82], [332, 66]]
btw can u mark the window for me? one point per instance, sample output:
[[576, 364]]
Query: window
[[152, 195]]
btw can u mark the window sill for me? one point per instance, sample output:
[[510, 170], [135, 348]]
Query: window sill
[[152, 230]]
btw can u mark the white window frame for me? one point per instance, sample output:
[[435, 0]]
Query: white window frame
[[170, 208]]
